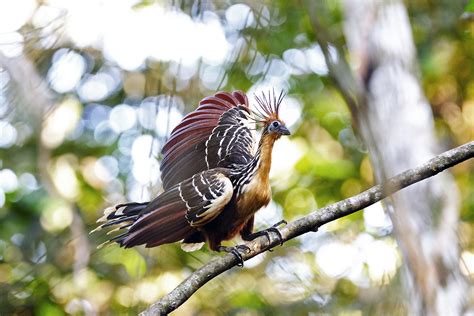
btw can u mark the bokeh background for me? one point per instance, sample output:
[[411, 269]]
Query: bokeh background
[[89, 91]]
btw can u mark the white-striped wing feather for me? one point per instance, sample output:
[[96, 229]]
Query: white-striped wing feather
[[205, 195]]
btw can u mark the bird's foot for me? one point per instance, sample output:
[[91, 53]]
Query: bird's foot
[[266, 232], [235, 251], [275, 229]]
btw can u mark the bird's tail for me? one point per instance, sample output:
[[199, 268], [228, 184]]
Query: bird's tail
[[122, 216], [153, 223]]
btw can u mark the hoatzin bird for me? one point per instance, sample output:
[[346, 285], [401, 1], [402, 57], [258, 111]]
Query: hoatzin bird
[[214, 179]]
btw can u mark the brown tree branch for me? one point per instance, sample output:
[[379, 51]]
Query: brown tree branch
[[311, 222]]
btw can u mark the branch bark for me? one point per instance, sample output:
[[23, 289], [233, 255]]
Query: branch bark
[[310, 223]]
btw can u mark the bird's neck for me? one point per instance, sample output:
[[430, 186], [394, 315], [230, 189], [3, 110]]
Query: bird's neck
[[253, 182], [257, 170], [263, 156]]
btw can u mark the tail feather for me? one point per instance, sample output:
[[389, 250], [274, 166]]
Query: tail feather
[[165, 225], [120, 220], [127, 209], [154, 223]]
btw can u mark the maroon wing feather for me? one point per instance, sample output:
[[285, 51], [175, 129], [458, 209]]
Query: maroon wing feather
[[194, 144]]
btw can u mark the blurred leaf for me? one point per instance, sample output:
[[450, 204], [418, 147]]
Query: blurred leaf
[[247, 300], [334, 122], [133, 262], [469, 6], [331, 169], [49, 309]]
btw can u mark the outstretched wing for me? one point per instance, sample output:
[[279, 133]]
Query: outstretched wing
[[175, 214], [216, 134]]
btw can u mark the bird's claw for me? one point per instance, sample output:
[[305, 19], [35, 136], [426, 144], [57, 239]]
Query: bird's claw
[[235, 252], [274, 229]]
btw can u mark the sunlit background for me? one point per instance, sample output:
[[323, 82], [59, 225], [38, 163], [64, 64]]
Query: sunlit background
[[99, 85]]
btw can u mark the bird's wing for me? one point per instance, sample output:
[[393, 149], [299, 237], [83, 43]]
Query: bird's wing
[[216, 134], [205, 195], [176, 213]]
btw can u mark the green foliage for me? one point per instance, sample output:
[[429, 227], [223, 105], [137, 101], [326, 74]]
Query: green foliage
[[70, 165], [131, 260], [469, 6]]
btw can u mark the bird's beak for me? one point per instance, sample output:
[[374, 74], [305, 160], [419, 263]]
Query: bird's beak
[[282, 130]]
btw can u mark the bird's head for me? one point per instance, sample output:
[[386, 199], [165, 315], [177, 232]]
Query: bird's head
[[276, 128], [267, 114]]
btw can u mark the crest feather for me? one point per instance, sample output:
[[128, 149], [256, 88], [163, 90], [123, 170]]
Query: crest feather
[[268, 106]]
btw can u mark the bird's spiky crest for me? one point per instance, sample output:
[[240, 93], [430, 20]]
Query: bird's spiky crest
[[268, 106]]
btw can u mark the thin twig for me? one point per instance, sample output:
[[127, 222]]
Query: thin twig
[[339, 68], [309, 223]]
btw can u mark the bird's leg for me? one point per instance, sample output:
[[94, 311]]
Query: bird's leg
[[235, 252], [266, 233]]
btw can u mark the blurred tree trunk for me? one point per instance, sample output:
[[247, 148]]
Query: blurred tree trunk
[[396, 123]]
